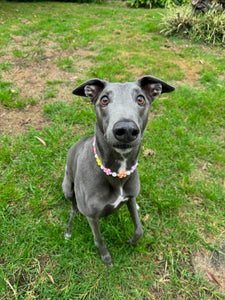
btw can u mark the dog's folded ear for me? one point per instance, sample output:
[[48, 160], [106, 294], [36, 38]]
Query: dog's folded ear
[[90, 88], [153, 86]]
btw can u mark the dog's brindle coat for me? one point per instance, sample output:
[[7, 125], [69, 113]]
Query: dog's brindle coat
[[122, 113]]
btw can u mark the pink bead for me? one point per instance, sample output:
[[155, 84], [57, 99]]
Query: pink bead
[[107, 171]]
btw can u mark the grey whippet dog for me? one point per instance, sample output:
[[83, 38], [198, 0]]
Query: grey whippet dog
[[101, 173]]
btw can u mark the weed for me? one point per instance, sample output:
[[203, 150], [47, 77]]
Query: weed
[[20, 53], [10, 97], [64, 63], [50, 93], [54, 82], [6, 66]]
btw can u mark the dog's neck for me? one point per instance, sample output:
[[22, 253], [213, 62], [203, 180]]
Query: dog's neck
[[112, 159]]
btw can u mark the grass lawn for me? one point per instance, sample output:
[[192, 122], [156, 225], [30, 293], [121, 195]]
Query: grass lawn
[[48, 48]]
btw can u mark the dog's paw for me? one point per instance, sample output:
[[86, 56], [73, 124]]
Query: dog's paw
[[67, 235], [133, 241], [107, 259], [136, 237]]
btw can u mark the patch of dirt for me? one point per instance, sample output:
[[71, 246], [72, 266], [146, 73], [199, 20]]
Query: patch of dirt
[[32, 80], [31, 74], [211, 264], [221, 136], [202, 173], [18, 121], [191, 72]]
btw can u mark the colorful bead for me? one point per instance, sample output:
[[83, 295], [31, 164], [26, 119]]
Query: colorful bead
[[122, 174], [107, 171]]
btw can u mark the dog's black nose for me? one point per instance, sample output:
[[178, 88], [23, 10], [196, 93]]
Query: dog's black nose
[[125, 131]]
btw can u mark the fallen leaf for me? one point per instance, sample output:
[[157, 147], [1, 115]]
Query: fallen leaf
[[73, 78], [204, 167], [14, 292], [212, 278], [146, 217], [51, 278], [26, 121], [64, 288], [43, 142]]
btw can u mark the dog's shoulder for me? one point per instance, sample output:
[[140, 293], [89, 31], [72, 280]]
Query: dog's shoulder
[[79, 145]]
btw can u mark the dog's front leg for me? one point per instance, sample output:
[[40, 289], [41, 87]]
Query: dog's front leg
[[138, 231], [99, 242]]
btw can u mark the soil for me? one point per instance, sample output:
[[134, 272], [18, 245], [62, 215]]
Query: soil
[[37, 65], [17, 121], [211, 264], [191, 72], [30, 75]]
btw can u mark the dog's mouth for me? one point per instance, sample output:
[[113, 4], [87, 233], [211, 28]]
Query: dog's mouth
[[123, 146]]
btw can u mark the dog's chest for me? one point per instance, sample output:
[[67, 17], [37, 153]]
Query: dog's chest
[[114, 193], [112, 202], [121, 198]]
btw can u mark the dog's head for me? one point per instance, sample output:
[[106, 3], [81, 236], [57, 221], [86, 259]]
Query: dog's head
[[122, 109]]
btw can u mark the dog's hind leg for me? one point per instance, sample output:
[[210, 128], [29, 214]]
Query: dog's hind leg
[[70, 223], [68, 190], [138, 231], [99, 242], [68, 187]]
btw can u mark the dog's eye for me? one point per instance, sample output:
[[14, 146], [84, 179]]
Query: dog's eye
[[140, 100], [104, 100]]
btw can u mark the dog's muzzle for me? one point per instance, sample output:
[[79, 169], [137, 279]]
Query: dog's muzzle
[[125, 133]]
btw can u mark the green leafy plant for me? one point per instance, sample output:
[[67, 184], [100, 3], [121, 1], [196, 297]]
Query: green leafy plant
[[154, 3], [139, 3], [209, 27], [178, 20]]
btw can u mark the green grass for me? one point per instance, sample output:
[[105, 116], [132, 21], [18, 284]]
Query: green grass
[[182, 180], [10, 98]]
